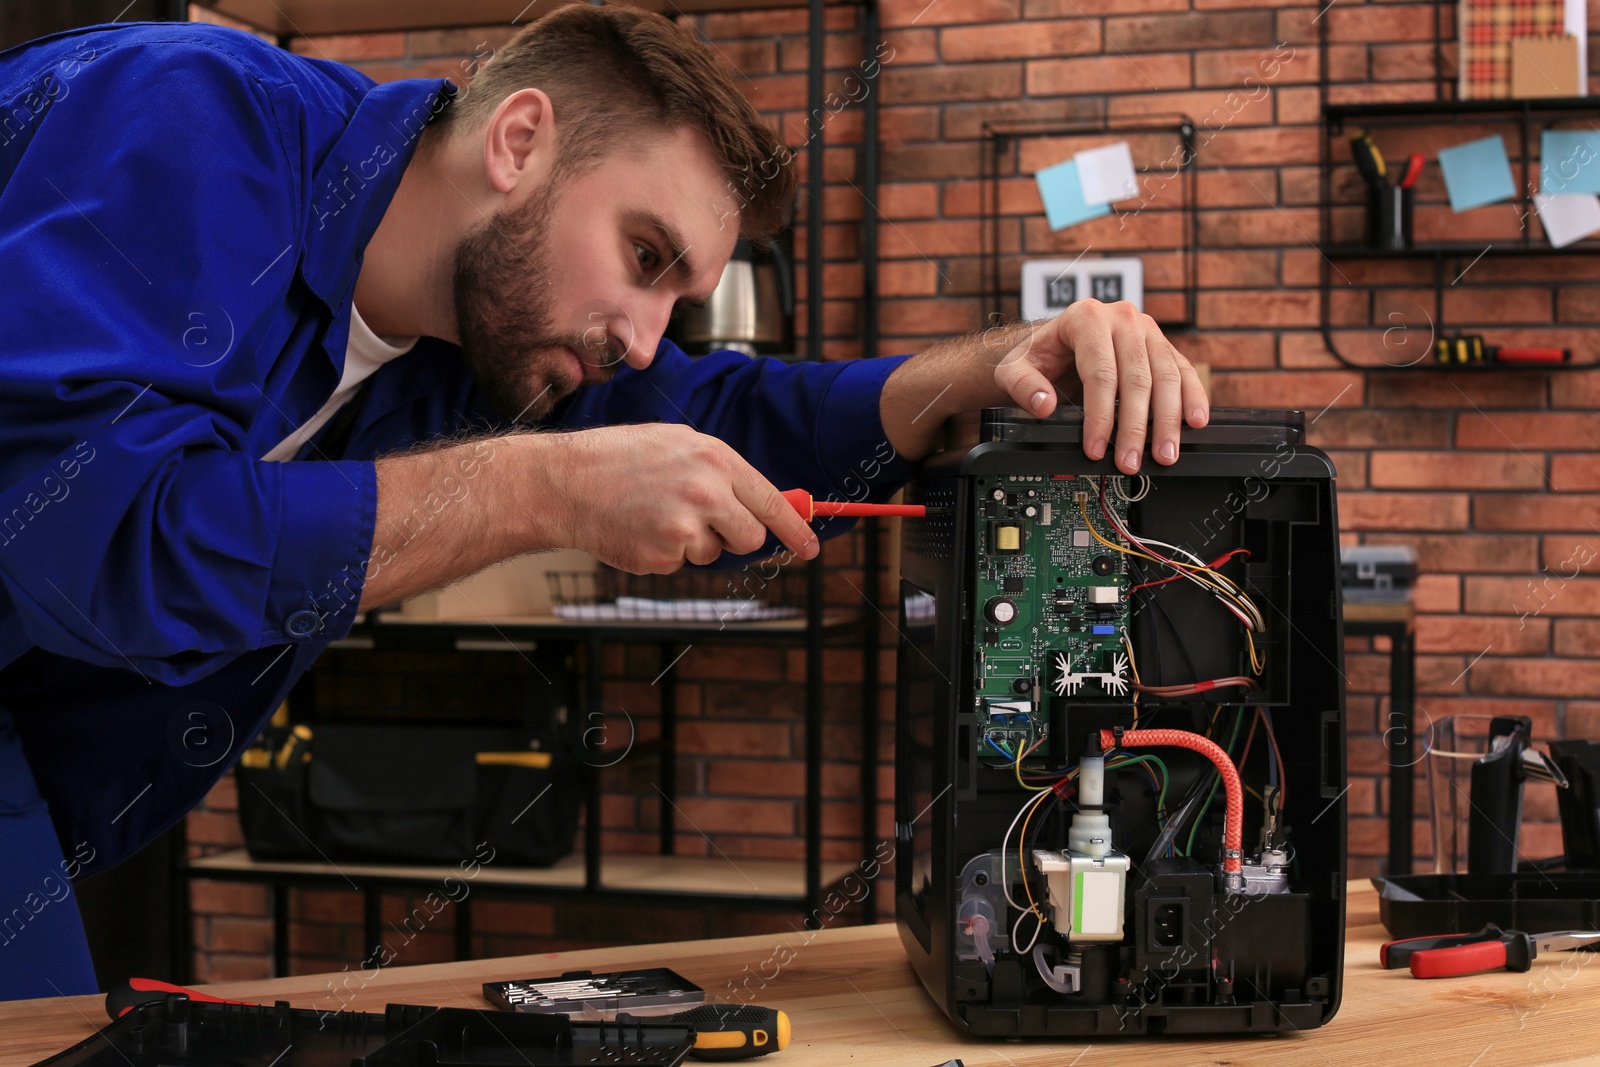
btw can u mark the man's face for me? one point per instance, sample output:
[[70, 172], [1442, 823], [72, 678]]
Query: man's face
[[569, 280]]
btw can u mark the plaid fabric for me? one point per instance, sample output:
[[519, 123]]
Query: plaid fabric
[[1487, 27]]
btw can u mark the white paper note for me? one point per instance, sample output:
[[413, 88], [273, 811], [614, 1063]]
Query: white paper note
[[1107, 173], [1568, 217]]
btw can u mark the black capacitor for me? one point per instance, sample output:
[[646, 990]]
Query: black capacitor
[[1022, 686]]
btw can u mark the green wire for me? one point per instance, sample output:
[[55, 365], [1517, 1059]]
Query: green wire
[[1188, 846], [1161, 801]]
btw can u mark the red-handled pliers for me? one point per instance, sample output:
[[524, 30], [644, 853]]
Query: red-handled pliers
[[1490, 949]]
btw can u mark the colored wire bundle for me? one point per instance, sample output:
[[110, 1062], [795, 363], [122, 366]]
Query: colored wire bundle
[[1197, 571]]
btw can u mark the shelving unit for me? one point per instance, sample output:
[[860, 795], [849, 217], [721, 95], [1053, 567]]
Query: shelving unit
[[804, 883], [997, 139], [1450, 258]]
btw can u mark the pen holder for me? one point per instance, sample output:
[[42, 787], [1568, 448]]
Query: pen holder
[[1389, 212]]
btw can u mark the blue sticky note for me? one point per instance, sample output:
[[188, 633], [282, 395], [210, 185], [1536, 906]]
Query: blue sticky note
[[1569, 161], [1061, 188], [1477, 173]]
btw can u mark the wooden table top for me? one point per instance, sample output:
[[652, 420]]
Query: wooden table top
[[853, 999]]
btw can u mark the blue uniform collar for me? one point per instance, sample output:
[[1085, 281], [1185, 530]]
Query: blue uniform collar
[[353, 186]]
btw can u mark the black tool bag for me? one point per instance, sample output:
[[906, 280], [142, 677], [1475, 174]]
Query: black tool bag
[[411, 794]]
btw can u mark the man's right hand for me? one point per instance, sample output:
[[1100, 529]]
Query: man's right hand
[[649, 498]]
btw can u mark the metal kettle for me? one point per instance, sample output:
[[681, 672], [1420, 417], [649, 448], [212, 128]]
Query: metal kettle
[[752, 308]]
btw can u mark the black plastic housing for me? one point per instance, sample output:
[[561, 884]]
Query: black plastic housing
[[1254, 964]]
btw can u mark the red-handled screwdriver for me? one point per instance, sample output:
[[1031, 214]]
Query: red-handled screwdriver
[[125, 996], [810, 509]]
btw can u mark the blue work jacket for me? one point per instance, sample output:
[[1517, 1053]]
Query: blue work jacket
[[183, 212]]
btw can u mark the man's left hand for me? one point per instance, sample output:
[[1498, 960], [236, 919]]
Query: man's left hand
[[1100, 353]]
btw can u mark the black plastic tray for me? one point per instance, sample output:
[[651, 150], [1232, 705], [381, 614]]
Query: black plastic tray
[[1417, 905], [178, 1032]]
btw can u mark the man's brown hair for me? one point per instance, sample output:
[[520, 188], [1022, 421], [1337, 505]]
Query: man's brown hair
[[614, 72]]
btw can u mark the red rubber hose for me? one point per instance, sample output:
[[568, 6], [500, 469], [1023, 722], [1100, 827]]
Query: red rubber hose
[[1233, 815]]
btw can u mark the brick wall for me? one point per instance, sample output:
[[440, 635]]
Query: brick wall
[[1487, 475]]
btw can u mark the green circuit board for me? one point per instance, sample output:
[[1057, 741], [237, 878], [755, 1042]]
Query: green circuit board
[[1052, 602]]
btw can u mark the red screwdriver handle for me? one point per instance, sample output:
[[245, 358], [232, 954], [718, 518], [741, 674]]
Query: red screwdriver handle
[[125, 996], [1459, 960]]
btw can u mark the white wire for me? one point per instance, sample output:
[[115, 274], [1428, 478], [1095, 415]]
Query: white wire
[[1258, 622], [1005, 883]]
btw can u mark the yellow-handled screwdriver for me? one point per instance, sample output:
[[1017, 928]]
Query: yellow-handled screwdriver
[[731, 1031]]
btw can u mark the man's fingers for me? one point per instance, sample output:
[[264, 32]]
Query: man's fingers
[[1096, 359], [1024, 383], [1134, 387], [775, 513], [1166, 401]]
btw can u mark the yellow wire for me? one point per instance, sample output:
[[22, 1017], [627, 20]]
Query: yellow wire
[[1134, 667], [1020, 754], [1021, 860], [1228, 591], [1257, 664]]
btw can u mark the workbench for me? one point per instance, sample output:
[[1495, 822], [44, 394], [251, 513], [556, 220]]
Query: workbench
[[853, 999]]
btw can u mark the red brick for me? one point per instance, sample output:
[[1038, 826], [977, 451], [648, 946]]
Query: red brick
[[1569, 555], [941, 316], [1538, 677], [900, 124], [1110, 74], [1220, 348], [1154, 33], [947, 12], [245, 936], [1267, 226], [521, 917], [1475, 305], [227, 898], [1437, 592], [1455, 470], [1577, 637], [1528, 431], [737, 816], [214, 967], [964, 122], [1019, 40], [1250, 67], [1574, 473], [1382, 23], [1456, 389], [909, 277], [972, 81], [1467, 552], [1498, 636], [1582, 719], [1035, 9], [906, 240], [1540, 513], [1403, 511], [909, 200], [1304, 350], [214, 828], [1576, 389], [734, 739], [1260, 308], [1251, 146], [469, 41], [352, 47], [1298, 106], [1212, 109], [920, 162], [1534, 595], [1312, 392], [764, 23]]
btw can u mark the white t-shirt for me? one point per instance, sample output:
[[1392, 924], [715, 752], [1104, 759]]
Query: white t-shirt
[[364, 353]]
